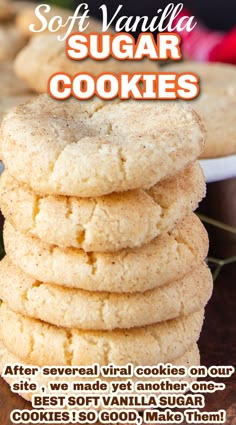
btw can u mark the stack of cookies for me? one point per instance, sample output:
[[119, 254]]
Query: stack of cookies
[[105, 258]]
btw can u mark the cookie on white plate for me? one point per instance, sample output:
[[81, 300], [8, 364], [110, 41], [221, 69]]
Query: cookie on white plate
[[218, 113]]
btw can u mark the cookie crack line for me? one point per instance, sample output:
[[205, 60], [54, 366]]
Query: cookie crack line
[[92, 261], [183, 242], [102, 106], [122, 160], [68, 348], [36, 209], [61, 153]]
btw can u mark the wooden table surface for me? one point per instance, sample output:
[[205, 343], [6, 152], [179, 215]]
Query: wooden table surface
[[217, 346]]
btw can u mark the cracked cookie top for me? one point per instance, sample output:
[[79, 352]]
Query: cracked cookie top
[[191, 357], [106, 223], [129, 270], [94, 148], [79, 309], [42, 344]]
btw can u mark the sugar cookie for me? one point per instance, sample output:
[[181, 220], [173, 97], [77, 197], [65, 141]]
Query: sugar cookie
[[129, 270], [190, 358], [219, 77], [93, 148], [75, 308], [107, 223], [41, 344], [218, 113]]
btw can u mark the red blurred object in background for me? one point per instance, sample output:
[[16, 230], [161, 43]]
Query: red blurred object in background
[[203, 44], [225, 51]]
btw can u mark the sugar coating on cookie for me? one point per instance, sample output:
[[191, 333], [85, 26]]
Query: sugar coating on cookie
[[130, 270], [39, 343], [93, 148], [190, 358], [107, 223], [11, 42], [75, 308], [29, 67]]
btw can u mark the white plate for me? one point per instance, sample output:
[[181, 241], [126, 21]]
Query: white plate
[[219, 168]]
